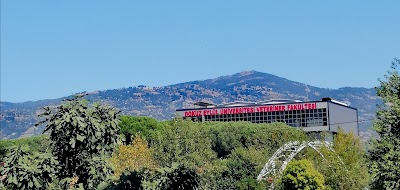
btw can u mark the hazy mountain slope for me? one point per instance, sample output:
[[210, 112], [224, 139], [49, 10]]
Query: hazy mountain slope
[[17, 119]]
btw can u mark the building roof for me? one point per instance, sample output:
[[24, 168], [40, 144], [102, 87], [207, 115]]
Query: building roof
[[264, 102], [203, 104], [206, 105]]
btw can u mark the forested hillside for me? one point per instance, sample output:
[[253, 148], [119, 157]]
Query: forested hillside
[[17, 119]]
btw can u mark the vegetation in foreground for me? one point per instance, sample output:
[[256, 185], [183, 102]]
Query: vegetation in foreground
[[90, 146]]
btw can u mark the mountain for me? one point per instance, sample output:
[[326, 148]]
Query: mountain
[[18, 119]]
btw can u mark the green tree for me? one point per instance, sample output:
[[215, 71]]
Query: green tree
[[35, 144], [346, 167], [80, 136], [384, 152], [352, 171], [240, 170], [242, 146], [301, 174], [177, 176], [25, 170], [131, 125], [227, 136], [184, 142]]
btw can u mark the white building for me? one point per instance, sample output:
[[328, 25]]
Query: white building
[[311, 116]]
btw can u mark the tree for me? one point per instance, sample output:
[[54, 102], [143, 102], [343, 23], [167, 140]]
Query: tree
[[177, 176], [80, 136], [227, 136], [301, 174], [131, 125], [35, 144], [184, 142], [346, 166], [133, 157], [384, 152], [351, 172], [240, 170], [23, 170]]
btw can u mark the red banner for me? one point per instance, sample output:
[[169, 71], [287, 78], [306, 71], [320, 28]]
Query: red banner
[[240, 110]]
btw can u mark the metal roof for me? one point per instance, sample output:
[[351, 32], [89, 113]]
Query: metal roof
[[207, 105], [204, 104], [244, 103], [277, 101]]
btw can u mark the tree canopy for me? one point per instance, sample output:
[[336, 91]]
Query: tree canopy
[[84, 147], [80, 135], [384, 152], [301, 174]]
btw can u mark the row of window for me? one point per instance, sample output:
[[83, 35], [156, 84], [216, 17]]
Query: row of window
[[297, 118]]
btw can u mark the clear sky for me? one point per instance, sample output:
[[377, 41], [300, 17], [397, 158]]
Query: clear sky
[[51, 49]]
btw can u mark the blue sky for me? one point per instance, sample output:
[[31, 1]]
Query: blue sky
[[51, 49]]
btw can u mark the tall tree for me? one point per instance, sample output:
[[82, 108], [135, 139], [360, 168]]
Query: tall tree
[[80, 135], [384, 152]]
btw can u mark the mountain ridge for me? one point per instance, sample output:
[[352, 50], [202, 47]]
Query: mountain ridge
[[17, 119], [247, 71]]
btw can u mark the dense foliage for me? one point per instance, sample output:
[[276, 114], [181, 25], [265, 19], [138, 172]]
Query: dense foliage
[[175, 177], [301, 174], [132, 157], [81, 135], [384, 152], [130, 126], [182, 142], [35, 144], [346, 167], [27, 170], [351, 171], [88, 150]]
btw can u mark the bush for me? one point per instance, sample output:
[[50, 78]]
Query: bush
[[177, 176], [301, 174], [240, 170]]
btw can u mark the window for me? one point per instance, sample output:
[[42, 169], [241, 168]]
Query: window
[[316, 117], [294, 118]]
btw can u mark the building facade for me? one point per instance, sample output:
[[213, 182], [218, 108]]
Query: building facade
[[312, 116]]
